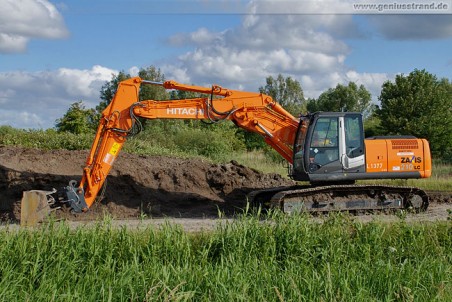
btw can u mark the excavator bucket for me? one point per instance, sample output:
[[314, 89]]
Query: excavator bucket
[[35, 206]]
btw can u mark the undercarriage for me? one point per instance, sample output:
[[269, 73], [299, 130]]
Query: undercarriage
[[352, 198]]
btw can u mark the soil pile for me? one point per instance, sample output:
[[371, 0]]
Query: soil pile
[[137, 185]]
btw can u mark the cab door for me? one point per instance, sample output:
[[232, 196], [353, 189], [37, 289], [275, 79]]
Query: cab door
[[323, 156], [352, 142]]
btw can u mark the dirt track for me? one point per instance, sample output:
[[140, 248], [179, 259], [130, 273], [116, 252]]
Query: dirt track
[[152, 185]]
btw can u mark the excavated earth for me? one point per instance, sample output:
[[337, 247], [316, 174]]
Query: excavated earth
[[149, 186], [138, 185]]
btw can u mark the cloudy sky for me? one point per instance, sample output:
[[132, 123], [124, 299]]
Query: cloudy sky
[[54, 53]]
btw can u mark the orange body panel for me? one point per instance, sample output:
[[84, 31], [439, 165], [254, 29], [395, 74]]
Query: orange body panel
[[376, 156], [398, 155]]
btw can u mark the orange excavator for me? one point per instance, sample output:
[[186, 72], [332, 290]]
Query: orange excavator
[[327, 149]]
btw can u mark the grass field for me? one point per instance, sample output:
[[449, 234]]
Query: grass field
[[288, 258]]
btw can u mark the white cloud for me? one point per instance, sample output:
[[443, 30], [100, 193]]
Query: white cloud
[[306, 47], [298, 39], [133, 71], [26, 119], [12, 43], [37, 99], [84, 83], [202, 36], [372, 81], [22, 20]]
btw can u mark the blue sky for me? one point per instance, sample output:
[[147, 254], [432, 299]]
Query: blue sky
[[54, 53]]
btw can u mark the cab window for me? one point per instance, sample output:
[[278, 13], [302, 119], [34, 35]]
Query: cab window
[[324, 142], [325, 133], [354, 140]]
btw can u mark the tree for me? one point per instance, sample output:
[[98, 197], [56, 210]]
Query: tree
[[77, 119], [287, 92], [182, 94], [421, 105], [151, 92], [343, 99], [108, 90], [147, 92], [372, 124]]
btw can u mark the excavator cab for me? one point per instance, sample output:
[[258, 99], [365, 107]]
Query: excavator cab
[[328, 147]]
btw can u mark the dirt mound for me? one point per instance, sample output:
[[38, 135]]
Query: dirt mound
[[137, 185]]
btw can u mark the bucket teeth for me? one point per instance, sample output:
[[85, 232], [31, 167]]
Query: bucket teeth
[[35, 206]]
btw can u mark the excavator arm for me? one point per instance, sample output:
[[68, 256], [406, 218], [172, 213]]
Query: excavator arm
[[254, 112]]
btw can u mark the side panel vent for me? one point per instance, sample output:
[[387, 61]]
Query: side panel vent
[[404, 144]]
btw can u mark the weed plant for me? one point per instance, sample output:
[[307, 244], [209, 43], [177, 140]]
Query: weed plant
[[48, 139]]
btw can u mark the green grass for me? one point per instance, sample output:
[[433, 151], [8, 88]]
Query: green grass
[[218, 144], [44, 139], [289, 258], [259, 161]]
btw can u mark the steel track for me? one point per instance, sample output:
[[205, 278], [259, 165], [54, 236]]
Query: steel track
[[353, 198]]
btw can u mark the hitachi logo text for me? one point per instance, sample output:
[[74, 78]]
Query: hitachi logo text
[[185, 111]]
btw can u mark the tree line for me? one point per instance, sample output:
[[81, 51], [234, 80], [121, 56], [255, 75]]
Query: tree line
[[417, 104]]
